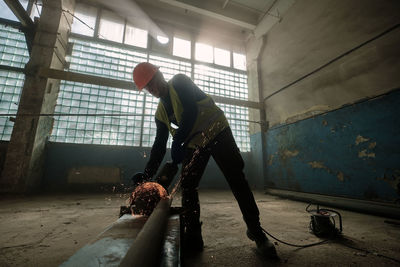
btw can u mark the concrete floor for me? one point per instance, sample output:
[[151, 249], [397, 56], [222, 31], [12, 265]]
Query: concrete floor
[[47, 230]]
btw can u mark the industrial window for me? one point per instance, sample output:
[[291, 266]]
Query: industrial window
[[227, 84], [120, 112], [6, 13], [85, 19], [135, 36], [36, 9], [239, 61], [10, 91], [94, 114], [111, 26], [221, 82], [204, 52], [238, 121], [79, 102], [222, 57], [182, 48], [13, 52]]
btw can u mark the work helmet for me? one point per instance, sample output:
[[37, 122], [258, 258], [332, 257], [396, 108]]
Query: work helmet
[[143, 73]]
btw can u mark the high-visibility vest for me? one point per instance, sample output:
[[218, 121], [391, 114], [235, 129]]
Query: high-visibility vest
[[209, 123]]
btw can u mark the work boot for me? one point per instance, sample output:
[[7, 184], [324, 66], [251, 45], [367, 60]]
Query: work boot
[[193, 241], [264, 247]]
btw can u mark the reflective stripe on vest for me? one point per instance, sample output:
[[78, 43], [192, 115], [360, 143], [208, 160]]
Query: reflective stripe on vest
[[210, 119]]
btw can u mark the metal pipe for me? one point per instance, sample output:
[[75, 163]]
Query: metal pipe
[[145, 251]]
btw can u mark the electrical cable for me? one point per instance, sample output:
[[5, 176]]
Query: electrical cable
[[332, 240], [370, 252], [295, 245]]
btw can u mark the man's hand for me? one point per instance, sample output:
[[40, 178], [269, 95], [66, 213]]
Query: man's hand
[[177, 152]]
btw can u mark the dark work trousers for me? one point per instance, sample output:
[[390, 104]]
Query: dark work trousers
[[227, 156]]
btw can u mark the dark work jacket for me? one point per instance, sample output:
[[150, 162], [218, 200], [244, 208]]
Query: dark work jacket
[[189, 94]]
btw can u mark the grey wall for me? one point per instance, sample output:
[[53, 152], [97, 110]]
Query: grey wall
[[100, 167], [313, 33], [330, 79]]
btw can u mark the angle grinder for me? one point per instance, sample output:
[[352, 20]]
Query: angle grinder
[[147, 193]]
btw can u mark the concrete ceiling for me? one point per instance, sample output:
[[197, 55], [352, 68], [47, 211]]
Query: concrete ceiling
[[229, 21]]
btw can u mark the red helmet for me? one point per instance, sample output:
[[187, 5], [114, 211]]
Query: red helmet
[[143, 73]]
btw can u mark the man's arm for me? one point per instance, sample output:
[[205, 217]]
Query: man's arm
[[158, 149]]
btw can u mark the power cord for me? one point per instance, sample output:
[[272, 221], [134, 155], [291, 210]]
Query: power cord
[[333, 237], [370, 252], [295, 245]]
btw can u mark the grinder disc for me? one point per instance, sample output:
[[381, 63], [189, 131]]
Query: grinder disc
[[145, 198]]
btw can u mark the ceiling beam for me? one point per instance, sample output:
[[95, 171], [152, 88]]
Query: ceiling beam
[[212, 14]]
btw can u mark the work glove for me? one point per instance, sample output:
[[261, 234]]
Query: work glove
[[139, 178], [167, 174], [177, 152]]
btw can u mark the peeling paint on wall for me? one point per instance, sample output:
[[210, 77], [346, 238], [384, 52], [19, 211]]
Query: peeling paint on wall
[[360, 139], [358, 160], [317, 165], [392, 178], [365, 154], [372, 145], [288, 153], [320, 165], [340, 176], [270, 159]]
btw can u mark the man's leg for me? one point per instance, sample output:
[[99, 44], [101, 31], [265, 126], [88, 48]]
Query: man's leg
[[192, 170], [227, 155]]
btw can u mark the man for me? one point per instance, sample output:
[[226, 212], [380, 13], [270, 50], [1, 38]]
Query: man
[[200, 130]]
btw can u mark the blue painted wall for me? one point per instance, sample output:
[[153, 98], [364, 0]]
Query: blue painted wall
[[62, 157], [351, 152]]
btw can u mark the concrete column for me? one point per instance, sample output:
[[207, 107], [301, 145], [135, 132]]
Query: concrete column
[[23, 166]]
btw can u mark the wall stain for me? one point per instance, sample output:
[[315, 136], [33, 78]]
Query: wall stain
[[320, 165], [372, 145], [270, 159], [360, 139], [340, 176], [317, 165], [287, 153], [392, 177], [364, 154]]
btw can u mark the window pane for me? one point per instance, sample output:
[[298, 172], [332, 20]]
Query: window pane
[[239, 61], [85, 20], [135, 36], [6, 13], [111, 27], [204, 52], [181, 48], [222, 57], [36, 9]]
